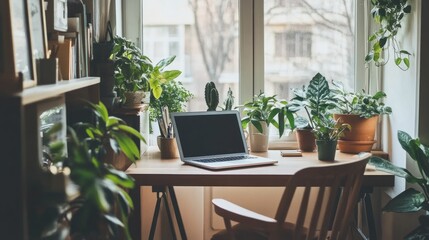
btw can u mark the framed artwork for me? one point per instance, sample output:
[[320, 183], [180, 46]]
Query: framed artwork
[[38, 29], [9, 82], [17, 70]]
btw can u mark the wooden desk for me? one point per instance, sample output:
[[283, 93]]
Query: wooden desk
[[152, 171]]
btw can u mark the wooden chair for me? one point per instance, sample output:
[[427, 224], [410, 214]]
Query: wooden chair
[[324, 214]]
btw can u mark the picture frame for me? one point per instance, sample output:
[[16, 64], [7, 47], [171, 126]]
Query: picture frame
[[38, 29], [18, 63], [37, 23], [9, 81]]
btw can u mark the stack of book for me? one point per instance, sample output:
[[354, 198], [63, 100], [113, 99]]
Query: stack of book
[[72, 46]]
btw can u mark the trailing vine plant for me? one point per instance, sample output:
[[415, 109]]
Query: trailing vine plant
[[388, 14]]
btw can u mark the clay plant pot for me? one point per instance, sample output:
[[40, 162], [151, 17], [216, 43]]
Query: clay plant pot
[[133, 100], [326, 149], [118, 161], [361, 136], [306, 140], [258, 140], [355, 146]]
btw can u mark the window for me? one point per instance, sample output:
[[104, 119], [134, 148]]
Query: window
[[307, 39], [253, 45], [203, 35]]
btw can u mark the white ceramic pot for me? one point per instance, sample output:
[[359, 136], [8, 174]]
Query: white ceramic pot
[[258, 140]]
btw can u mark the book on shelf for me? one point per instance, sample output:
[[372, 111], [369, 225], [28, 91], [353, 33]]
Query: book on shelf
[[64, 52], [74, 37], [77, 21]]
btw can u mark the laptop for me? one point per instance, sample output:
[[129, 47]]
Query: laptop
[[213, 140]]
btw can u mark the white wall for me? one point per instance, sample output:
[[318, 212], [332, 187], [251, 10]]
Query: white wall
[[402, 89]]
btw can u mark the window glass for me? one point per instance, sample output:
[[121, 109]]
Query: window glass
[[203, 35], [305, 37]]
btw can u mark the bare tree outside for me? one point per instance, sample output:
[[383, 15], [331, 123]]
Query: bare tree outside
[[215, 24], [317, 36]]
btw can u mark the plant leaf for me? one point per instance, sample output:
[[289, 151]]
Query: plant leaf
[[388, 167], [132, 131], [257, 125], [409, 200], [407, 62]]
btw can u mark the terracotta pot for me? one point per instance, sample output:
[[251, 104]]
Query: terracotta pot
[[306, 140], [258, 140], [363, 129], [119, 161], [361, 136], [355, 146], [134, 99], [326, 150]]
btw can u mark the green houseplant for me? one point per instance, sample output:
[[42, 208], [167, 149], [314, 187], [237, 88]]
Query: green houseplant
[[175, 96], [327, 131], [259, 114], [135, 73], [410, 200], [100, 207], [211, 95], [388, 14], [361, 111], [314, 101]]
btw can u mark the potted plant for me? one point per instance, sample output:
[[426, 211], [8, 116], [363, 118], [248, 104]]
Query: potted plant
[[314, 100], [361, 111], [100, 205], [135, 76], [174, 97], [388, 14], [327, 131], [211, 95], [260, 113], [410, 200], [111, 138]]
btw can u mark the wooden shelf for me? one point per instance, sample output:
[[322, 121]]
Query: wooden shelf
[[38, 93]]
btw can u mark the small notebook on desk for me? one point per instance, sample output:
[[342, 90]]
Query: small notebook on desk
[[213, 140]]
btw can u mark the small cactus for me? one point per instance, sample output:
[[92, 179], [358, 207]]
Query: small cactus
[[229, 101], [212, 96]]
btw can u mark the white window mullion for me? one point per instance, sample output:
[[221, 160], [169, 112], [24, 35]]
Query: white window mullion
[[258, 46], [246, 50]]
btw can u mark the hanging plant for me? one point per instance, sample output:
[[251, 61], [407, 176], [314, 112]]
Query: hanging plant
[[388, 14]]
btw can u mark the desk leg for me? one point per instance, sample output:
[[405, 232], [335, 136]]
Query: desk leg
[[369, 216], [135, 220], [177, 212]]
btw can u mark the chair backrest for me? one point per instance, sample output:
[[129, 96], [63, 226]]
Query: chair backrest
[[337, 189]]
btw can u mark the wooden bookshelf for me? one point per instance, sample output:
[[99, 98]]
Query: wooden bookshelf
[[20, 147]]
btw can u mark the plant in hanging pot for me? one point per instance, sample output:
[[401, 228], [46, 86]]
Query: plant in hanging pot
[[135, 75], [314, 101], [361, 111], [410, 200], [389, 15], [260, 113], [327, 131]]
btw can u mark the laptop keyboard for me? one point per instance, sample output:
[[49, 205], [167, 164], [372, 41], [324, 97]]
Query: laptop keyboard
[[224, 159]]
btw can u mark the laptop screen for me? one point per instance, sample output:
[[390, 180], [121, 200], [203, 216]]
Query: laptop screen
[[209, 133]]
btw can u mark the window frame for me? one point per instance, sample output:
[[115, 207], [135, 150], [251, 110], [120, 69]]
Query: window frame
[[252, 48]]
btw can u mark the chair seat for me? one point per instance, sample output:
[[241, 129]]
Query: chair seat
[[243, 232]]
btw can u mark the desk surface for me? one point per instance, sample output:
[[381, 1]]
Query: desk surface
[[152, 170]]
